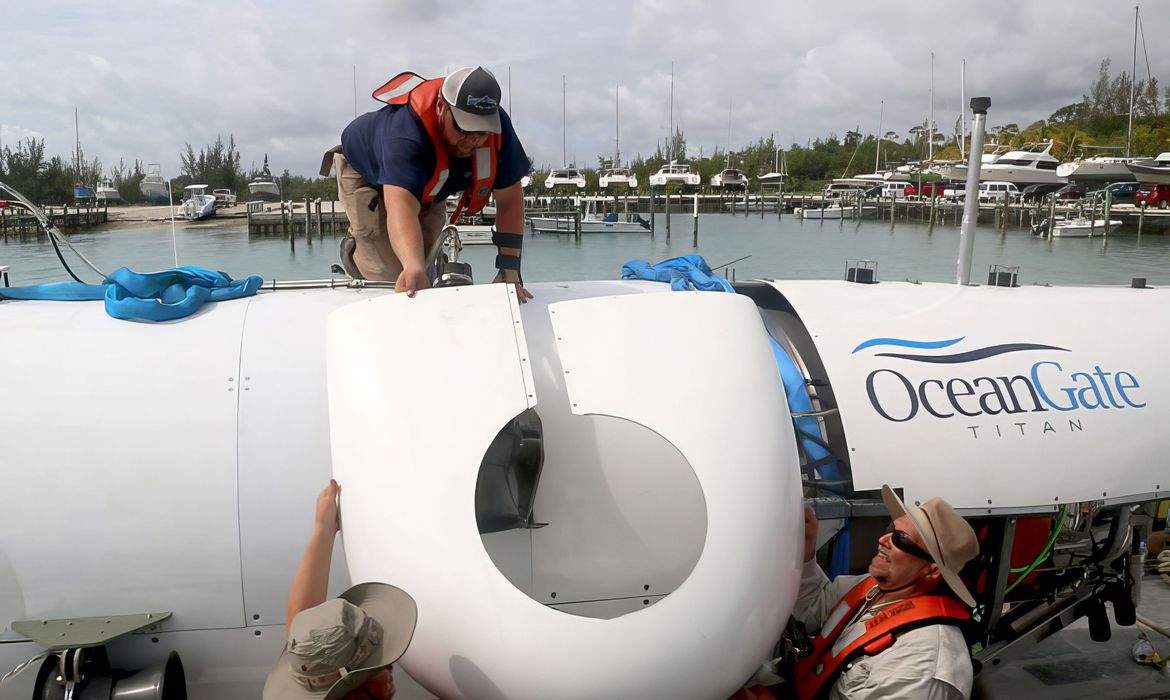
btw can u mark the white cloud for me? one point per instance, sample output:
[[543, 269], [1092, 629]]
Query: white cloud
[[148, 77]]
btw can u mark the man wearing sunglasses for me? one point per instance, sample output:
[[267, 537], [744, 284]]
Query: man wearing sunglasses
[[894, 633], [397, 166]]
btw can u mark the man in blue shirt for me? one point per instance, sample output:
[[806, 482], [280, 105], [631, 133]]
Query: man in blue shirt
[[397, 166]]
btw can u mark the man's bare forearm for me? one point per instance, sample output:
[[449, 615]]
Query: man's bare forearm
[[311, 582], [402, 222]]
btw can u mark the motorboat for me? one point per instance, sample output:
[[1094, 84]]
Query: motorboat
[[224, 198], [1030, 165], [565, 178], [82, 193], [153, 186], [772, 179], [591, 221], [834, 211], [107, 193], [675, 173], [1098, 168], [847, 187], [618, 179], [197, 204], [1081, 227], [1154, 172], [729, 179], [264, 187]]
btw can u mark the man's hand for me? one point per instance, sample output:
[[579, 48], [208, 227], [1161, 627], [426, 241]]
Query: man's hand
[[513, 277], [328, 517], [810, 533], [411, 279]]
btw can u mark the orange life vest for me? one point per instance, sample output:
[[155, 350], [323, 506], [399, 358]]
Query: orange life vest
[[422, 95], [833, 647]]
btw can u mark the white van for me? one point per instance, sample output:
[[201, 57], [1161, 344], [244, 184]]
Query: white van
[[994, 191]]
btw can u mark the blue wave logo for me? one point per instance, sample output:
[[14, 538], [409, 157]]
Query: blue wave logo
[[955, 358]]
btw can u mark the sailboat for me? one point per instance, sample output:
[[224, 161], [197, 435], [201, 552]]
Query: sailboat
[[1111, 168], [616, 177], [81, 191], [566, 177], [730, 178], [674, 171]]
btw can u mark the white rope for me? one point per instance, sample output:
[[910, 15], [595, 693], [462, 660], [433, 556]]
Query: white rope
[[20, 667]]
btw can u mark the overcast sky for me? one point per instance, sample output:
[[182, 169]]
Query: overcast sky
[[148, 77]]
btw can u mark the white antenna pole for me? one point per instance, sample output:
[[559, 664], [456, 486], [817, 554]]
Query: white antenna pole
[[878, 156], [670, 142], [979, 107], [174, 240], [930, 127], [1132, 83], [962, 108]]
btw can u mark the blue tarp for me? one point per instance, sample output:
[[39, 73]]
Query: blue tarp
[[688, 272], [155, 296]]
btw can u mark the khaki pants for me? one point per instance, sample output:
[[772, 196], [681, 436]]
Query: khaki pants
[[372, 256]]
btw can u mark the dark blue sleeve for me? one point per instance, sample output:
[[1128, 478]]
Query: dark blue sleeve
[[512, 162], [405, 156]]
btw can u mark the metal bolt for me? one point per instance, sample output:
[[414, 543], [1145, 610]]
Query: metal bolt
[[554, 594]]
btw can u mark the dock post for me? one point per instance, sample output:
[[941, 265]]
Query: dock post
[[933, 199], [320, 229], [308, 223], [577, 226], [1141, 218], [893, 213], [1051, 213], [668, 215], [1108, 210], [652, 203], [747, 210], [695, 216], [332, 217]]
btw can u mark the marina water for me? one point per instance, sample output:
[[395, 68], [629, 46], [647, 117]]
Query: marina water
[[779, 249]]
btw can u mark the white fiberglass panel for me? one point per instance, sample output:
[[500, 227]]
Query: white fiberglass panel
[[120, 441], [996, 397], [419, 388]]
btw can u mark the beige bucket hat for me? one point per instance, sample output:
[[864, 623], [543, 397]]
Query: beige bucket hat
[[337, 646], [948, 536]]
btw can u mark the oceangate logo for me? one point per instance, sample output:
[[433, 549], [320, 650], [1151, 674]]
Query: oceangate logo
[[1042, 384]]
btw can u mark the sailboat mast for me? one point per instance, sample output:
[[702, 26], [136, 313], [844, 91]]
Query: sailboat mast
[[930, 126], [76, 146], [564, 128], [1132, 83], [670, 137], [962, 109], [877, 157]]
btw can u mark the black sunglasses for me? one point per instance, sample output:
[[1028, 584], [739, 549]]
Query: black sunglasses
[[903, 542]]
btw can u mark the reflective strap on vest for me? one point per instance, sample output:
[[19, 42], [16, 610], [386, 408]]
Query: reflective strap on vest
[[483, 163], [397, 86], [439, 182]]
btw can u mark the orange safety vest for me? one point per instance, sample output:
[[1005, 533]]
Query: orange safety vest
[[831, 651], [421, 95]]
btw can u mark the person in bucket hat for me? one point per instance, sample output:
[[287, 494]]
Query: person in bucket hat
[[896, 631], [341, 648]]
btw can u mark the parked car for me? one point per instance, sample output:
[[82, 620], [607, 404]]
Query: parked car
[[1031, 193], [1153, 196], [996, 191], [1070, 192], [1120, 192], [929, 189], [954, 190]]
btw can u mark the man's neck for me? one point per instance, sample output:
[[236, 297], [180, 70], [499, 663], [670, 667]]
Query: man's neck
[[914, 588]]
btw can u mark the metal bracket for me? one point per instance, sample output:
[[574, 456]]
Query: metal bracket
[[81, 632]]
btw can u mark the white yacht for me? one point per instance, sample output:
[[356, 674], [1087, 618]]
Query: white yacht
[[618, 179], [264, 187], [772, 179], [1154, 172], [106, 192], [730, 179], [1031, 165], [565, 178], [1098, 168], [675, 172], [197, 204], [847, 187], [153, 186]]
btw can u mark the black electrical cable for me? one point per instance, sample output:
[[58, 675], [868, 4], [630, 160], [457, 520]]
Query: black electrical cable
[[57, 249]]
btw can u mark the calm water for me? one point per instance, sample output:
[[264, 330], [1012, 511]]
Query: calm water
[[779, 249]]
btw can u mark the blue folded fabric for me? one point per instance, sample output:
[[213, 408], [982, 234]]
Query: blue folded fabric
[[687, 272], [153, 296]]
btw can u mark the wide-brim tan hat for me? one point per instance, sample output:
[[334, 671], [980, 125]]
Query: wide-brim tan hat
[[948, 537], [397, 614]]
